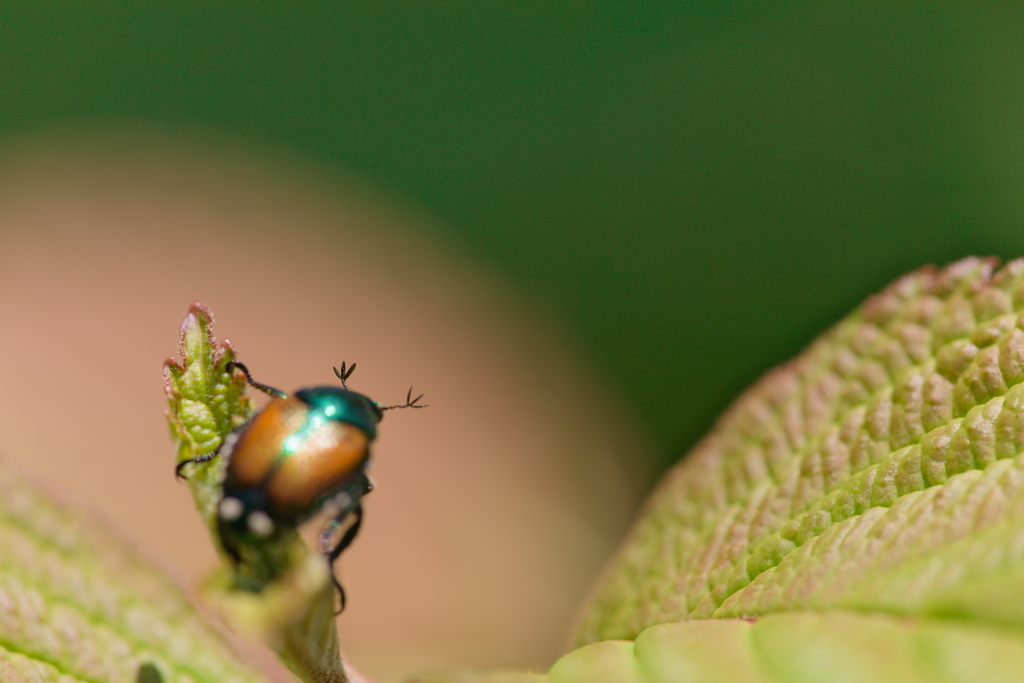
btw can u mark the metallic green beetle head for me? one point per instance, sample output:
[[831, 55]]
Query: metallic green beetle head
[[344, 406]]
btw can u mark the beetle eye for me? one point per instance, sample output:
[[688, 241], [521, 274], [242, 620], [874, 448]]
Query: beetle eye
[[377, 412]]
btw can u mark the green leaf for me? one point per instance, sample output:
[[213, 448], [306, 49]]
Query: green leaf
[[205, 402], [880, 470], [791, 648], [857, 515], [79, 604]]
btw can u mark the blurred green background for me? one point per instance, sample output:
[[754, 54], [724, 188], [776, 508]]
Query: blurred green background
[[695, 189]]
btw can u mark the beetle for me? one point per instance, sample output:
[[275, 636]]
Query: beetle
[[298, 455]]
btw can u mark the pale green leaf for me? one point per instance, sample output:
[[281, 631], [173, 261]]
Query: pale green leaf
[[880, 470], [857, 515], [797, 647], [79, 604]]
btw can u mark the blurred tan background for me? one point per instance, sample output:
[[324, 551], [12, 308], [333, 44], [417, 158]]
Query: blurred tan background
[[494, 507], [694, 189]]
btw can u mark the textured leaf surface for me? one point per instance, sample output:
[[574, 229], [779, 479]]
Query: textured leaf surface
[[791, 648], [78, 604], [880, 470], [857, 515], [205, 402]]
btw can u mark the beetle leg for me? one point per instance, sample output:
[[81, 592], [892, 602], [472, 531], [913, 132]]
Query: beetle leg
[[226, 447], [199, 458], [266, 389], [346, 540]]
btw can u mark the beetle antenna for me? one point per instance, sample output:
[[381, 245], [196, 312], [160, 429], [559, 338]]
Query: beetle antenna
[[410, 402], [276, 393], [344, 374]]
